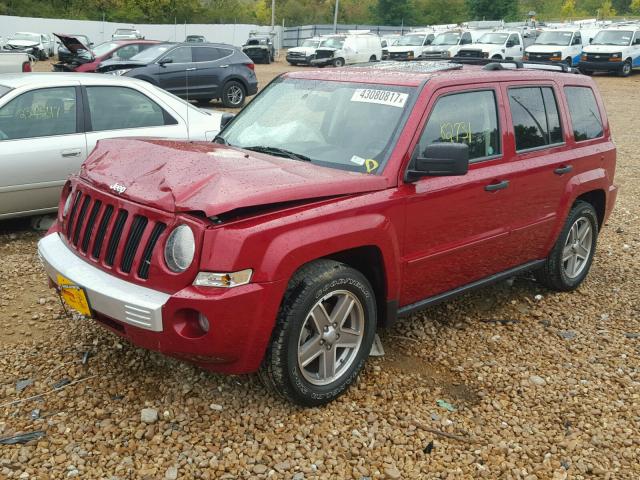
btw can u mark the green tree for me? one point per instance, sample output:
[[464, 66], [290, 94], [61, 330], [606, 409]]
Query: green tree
[[568, 9], [607, 10], [635, 7], [438, 12], [394, 12], [493, 9]]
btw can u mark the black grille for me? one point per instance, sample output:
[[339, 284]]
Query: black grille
[[143, 269], [135, 234], [539, 57], [98, 229], [80, 220], [598, 57], [102, 230], [470, 54], [116, 233], [90, 224]]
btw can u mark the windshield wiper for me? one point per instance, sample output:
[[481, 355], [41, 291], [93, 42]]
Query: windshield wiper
[[280, 152]]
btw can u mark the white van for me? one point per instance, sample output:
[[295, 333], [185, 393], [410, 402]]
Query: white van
[[412, 45], [303, 54], [612, 50], [500, 45], [557, 46], [447, 44], [359, 46]]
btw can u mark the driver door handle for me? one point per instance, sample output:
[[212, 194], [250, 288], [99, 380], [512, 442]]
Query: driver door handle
[[497, 186], [71, 153], [562, 170]]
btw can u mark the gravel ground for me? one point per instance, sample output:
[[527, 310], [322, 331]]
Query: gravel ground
[[511, 382]]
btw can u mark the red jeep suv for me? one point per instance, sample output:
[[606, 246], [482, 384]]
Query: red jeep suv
[[335, 202]]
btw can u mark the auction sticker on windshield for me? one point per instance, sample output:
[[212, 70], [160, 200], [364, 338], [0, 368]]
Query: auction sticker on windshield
[[382, 97]]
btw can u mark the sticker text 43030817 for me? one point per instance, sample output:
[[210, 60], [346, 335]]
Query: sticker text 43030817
[[382, 97]]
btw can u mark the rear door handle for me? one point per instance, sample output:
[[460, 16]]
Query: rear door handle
[[563, 170], [497, 186], [224, 66], [71, 153]]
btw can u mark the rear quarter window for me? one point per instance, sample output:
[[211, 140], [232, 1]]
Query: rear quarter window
[[585, 115], [536, 121]]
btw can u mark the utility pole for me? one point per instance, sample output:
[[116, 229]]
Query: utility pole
[[273, 15], [335, 17]]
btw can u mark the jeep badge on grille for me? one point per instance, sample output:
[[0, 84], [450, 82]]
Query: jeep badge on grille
[[118, 188]]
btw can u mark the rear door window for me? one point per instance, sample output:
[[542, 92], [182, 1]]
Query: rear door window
[[535, 117], [209, 54], [452, 120], [584, 113], [44, 112], [115, 108]]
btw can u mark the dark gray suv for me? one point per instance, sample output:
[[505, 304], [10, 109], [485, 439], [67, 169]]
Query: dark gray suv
[[202, 72]]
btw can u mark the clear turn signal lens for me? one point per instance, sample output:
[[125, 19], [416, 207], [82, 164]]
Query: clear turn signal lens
[[223, 280]]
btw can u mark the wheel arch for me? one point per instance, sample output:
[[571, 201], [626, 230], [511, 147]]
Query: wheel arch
[[598, 200]]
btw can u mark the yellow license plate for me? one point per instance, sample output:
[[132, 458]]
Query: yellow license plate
[[74, 296]]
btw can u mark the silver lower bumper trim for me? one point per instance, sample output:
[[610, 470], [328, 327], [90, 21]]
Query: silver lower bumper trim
[[108, 295]]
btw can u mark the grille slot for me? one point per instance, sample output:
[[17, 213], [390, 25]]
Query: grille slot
[[102, 230], [133, 241], [90, 224], [80, 220], [73, 213], [116, 233], [143, 269]]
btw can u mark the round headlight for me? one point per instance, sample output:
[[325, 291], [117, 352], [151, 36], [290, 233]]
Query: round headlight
[[180, 249]]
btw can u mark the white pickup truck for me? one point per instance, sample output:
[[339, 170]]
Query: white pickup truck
[[14, 62], [500, 45]]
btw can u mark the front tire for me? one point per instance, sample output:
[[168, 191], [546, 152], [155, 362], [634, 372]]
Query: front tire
[[626, 68], [233, 94], [323, 334], [570, 259], [568, 62], [338, 62]]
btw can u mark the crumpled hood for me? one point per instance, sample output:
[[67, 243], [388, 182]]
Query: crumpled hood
[[22, 43], [109, 65], [178, 176], [305, 50], [73, 44]]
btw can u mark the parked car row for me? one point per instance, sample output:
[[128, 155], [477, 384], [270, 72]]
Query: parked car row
[[39, 45]]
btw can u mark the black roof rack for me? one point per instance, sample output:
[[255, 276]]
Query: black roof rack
[[495, 64]]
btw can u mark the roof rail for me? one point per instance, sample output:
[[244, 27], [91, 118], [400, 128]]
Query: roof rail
[[495, 64]]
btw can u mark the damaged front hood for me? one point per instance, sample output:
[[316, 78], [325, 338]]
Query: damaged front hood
[[21, 44], [180, 176], [109, 65]]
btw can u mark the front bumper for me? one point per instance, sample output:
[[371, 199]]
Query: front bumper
[[299, 60], [322, 61], [241, 319], [600, 66]]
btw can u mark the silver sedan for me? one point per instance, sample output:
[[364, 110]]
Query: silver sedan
[[49, 122]]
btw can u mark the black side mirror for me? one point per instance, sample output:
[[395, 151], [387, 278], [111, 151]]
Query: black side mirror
[[225, 120], [590, 40], [509, 44], [441, 160], [164, 61]]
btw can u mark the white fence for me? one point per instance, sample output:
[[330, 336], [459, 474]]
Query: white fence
[[98, 32]]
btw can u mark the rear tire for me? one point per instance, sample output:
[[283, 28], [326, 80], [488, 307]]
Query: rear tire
[[338, 62], [267, 60], [373, 58], [496, 57], [570, 259], [323, 334], [233, 94], [568, 62]]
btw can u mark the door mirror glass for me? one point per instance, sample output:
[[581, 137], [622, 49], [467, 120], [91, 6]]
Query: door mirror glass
[[164, 61], [441, 160], [591, 40]]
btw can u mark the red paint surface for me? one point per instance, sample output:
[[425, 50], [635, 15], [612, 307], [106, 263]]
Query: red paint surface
[[433, 235], [90, 67]]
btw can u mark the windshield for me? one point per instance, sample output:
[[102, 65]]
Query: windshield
[[554, 38], [151, 53], [125, 31], [613, 37], [32, 37], [410, 40], [447, 39], [494, 38], [332, 43], [104, 48], [322, 122], [311, 43], [4, 90]]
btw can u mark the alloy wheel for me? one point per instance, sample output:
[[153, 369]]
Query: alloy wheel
[[577, 248], [234, 94], [331, 337]]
